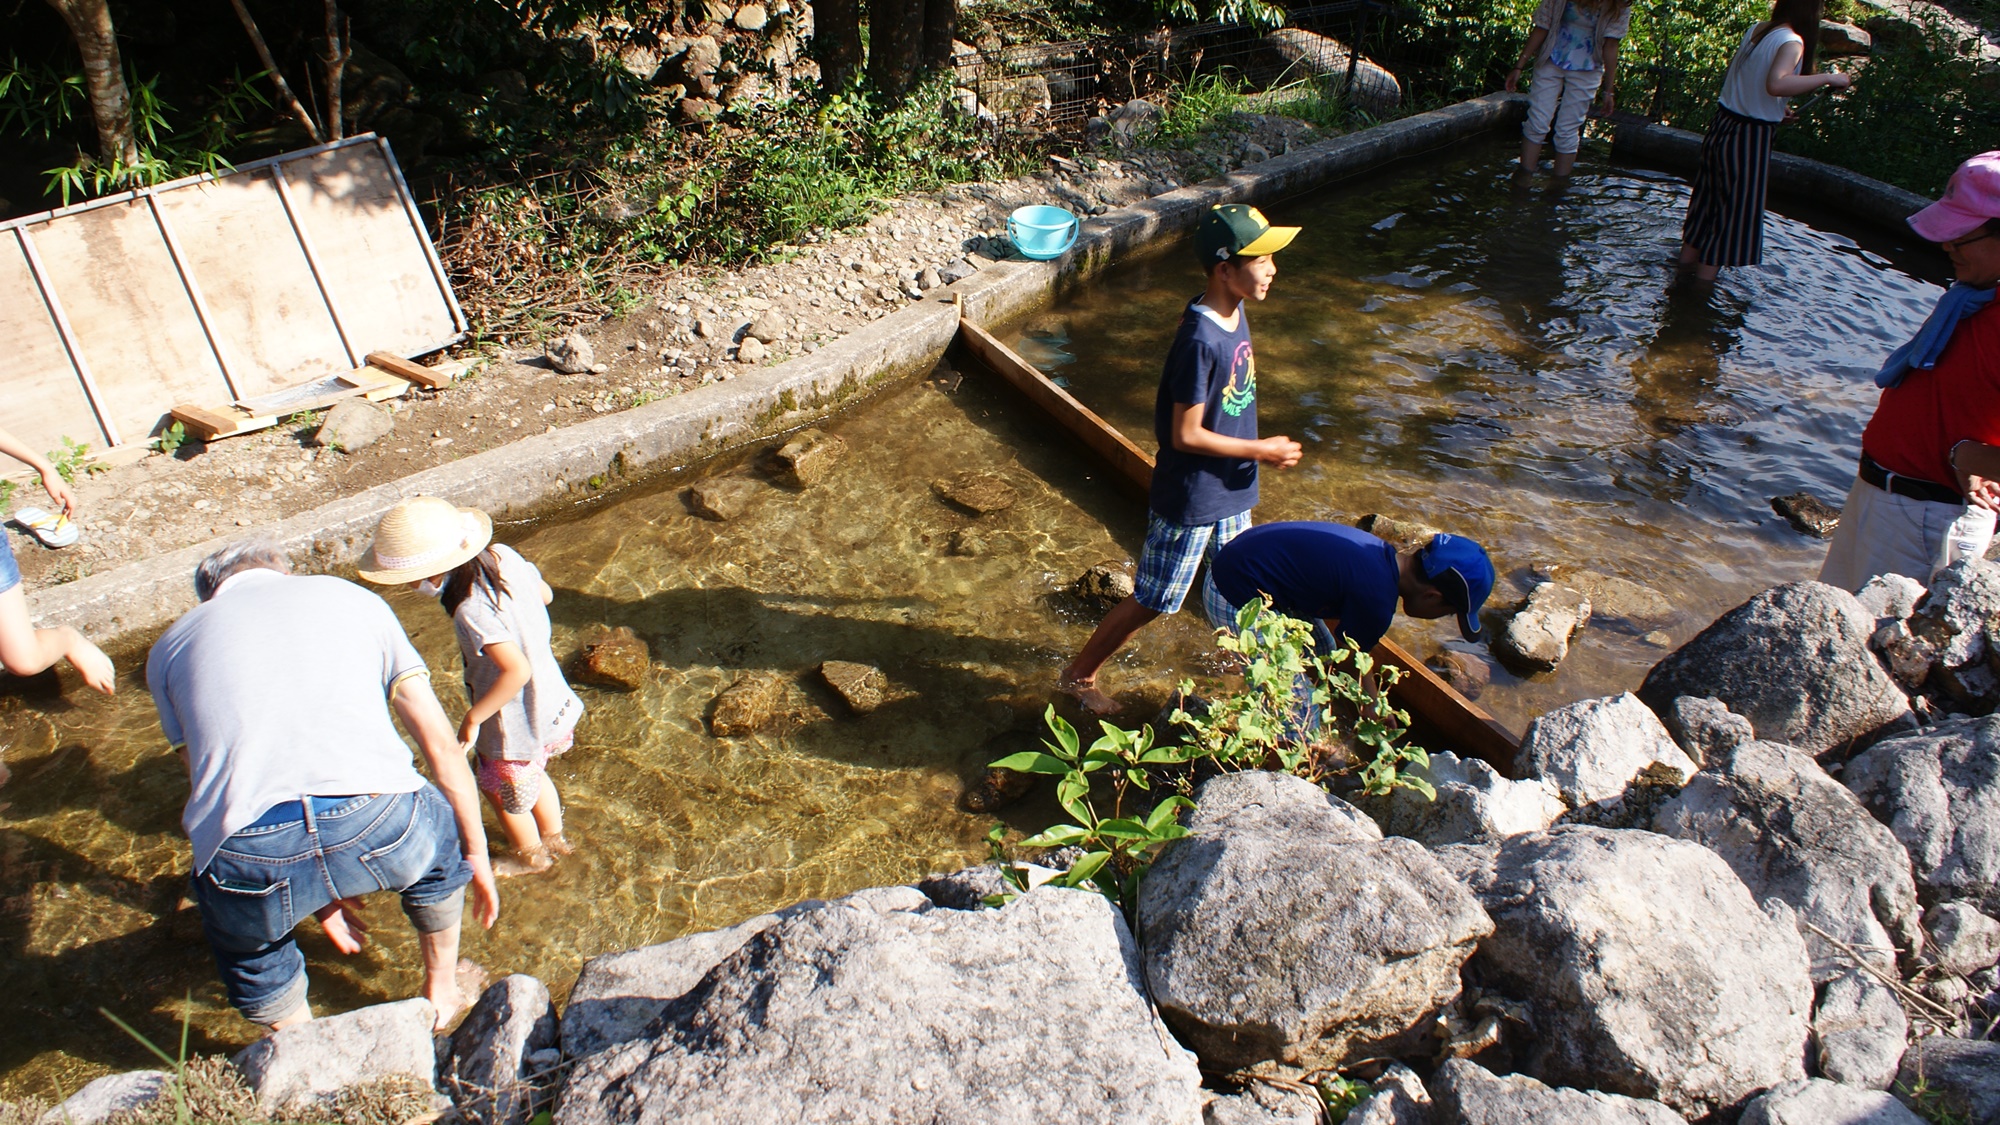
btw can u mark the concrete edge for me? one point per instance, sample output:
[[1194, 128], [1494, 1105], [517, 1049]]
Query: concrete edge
[[536, 475], [1829, 185]]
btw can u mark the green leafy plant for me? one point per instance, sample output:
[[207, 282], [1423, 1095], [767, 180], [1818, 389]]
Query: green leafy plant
[[7, 488], [170, 439], [1117, 848], [1341, 1095], [1929, 1103], [74, 458]]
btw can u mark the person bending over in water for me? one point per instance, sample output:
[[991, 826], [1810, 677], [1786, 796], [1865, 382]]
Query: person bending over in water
[[1205, 481], [523, 712]]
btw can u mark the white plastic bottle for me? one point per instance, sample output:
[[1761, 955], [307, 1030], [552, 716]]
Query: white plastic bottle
[[1967, 538]]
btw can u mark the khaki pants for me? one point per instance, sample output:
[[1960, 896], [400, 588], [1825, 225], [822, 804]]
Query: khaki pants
[[1883, 533]]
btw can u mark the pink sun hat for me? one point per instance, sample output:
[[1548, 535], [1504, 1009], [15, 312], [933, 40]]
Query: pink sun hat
[[1971, 198]]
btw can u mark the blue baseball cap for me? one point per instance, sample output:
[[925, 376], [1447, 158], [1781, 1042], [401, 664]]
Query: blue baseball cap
[[1459, 567]]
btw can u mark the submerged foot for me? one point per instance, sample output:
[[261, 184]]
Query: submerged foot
[[1085, 692], [517, 863], [557, 844], [453, 998]]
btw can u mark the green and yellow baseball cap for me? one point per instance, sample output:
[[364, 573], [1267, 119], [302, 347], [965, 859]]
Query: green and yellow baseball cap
[[1237, 228]]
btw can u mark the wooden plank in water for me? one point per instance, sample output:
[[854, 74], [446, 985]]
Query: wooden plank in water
[[1466, 725]]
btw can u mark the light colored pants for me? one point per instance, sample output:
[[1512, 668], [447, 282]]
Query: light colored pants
[[1562, 97], [1883, 533]]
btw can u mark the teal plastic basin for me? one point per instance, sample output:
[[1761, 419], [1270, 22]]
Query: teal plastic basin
[[1042, 232]]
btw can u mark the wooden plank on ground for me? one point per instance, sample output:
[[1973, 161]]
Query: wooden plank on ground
[[205, 424], [406, 369], [1466, 725]]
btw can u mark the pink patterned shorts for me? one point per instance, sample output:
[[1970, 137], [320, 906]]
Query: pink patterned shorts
[[515, 786]]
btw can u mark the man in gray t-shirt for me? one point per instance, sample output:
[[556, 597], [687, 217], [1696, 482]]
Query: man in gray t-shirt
[[277, 690]]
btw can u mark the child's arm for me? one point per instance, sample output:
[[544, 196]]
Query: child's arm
[[1536, 38], [1190, 436], [53, 484], [515, 672], [1607, 55]]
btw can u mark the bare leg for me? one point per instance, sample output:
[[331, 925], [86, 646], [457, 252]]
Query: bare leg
[[1565, 161], [1118, 626], [301, 1014], [528, 856], [1531, 156], [26, 650], [440, 951], [549, 819]]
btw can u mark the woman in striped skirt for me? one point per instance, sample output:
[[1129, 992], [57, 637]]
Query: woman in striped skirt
[[1725, 217]]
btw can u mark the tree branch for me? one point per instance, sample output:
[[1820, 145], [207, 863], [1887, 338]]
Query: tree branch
[[335, 61], [277, 76]]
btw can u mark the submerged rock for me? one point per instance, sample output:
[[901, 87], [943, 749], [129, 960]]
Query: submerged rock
[[750, 704], [1815, 1101], [614, 658], [995, 790], [1959, 1076], [723, 499], [1647, 968], [1938, 790], [1638, 606], [1284, 927], [570, 354], [1103, 586], [977, 492], [968, 543], [1404, 535], [862, 687], [1794, 660], [1537, 638], [1467, 672], [912, 1013], [808, 457], [294, 1068], [1591, 750], [1469, 1094], [1807, 514], [487, 1072]]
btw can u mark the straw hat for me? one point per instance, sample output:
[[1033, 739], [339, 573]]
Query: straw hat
[[423, 537]]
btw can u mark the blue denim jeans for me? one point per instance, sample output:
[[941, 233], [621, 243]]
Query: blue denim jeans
[[270, 875], [10, 571]]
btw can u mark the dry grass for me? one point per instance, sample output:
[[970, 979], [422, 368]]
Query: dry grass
[[211, 1092]]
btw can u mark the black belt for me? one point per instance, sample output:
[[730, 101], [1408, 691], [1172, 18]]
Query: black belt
[[1911, 487]]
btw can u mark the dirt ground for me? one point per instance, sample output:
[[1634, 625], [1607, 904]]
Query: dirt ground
[[683, 334]]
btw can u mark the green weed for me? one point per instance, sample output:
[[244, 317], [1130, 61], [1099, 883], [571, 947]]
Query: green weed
[[73, 458], [170, 439], [1341, 1095]]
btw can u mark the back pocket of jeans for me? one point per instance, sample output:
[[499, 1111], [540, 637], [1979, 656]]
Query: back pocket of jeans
[[404, 860], [259, 911]]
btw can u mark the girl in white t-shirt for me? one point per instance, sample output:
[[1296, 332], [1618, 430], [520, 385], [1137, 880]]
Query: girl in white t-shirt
[[1574, 46], [522, 710], [1773, 63]]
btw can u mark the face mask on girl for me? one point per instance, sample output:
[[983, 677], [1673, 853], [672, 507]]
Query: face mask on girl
[[431, 588]]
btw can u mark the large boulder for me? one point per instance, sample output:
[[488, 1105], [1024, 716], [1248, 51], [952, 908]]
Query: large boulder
[[1815, 1101], [1960, 623], [1284, 927], [1592, 749], [1374, 89], [1960, 1077], [487, 1071], [1796, 835], [1859, 1030], [1646, 966], [1029, 1013], [1469, 1094], [1938, 790], [309, 1062], [1795, 661], [1474, 804]]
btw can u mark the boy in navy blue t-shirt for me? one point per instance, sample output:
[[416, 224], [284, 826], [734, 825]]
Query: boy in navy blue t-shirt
[[1205, 478]]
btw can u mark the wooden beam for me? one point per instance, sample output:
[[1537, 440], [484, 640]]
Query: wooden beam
[[1466, 725], [204, 424], [413, 372]]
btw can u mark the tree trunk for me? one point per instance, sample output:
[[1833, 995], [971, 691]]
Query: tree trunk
[[103, 78], [335, 63], [895, 43], [940, 28], [837, 42]]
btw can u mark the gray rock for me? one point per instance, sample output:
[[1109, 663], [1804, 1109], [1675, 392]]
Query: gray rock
[[294, 1068], [1706, 729], [1646, 966], [1808, 514], [1959, 1076], [1399, 1099], [1537, 638], [977, 492], [1964, 941], [1621, 599], [1592, 749], [353, 424], [1907, 656], [967, 888], [956, 270], [1474, 804], [1469, 1094], [1838, 39], [1794, 834], [1281, 928], [751, 350], [769, 327], [1405, 535], [1135, 117], [1103, 586], [710, 329], [723, 499], [862, 687], [487, 1072], [1815, 1101], [1960, 621], [809, 457], [752, 17], [570, 354], [1890, 595], [929, 278], [1263, 1104], [1938, 790], [846, 1013], [1859, 1029], [106, 1097], [1794, 660]]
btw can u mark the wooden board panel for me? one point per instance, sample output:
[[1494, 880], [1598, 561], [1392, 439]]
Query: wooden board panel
[[263, 304], [1465, 725], [132, 318], [383, 288], [43, 399]]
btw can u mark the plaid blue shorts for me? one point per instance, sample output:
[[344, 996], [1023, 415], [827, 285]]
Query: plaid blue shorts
[[1172, 554], [1222, 615]]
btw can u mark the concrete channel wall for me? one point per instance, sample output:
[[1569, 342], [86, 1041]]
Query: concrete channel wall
[[1679, 150], [540, 475]]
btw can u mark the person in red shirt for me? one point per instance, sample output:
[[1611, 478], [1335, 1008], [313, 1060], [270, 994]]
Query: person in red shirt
[[1933, 447]]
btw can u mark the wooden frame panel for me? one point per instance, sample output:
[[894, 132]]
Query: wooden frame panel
[[45, 400]]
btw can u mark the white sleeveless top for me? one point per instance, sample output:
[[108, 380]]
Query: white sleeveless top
[[1743, 88]]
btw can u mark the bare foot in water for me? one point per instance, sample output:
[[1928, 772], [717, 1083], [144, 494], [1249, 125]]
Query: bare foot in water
[[1085, 692], [557, 845], [515, 863], [453, 1000]]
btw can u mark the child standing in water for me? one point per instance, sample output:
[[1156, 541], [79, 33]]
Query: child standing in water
[[522, 710], [1574, 48]]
